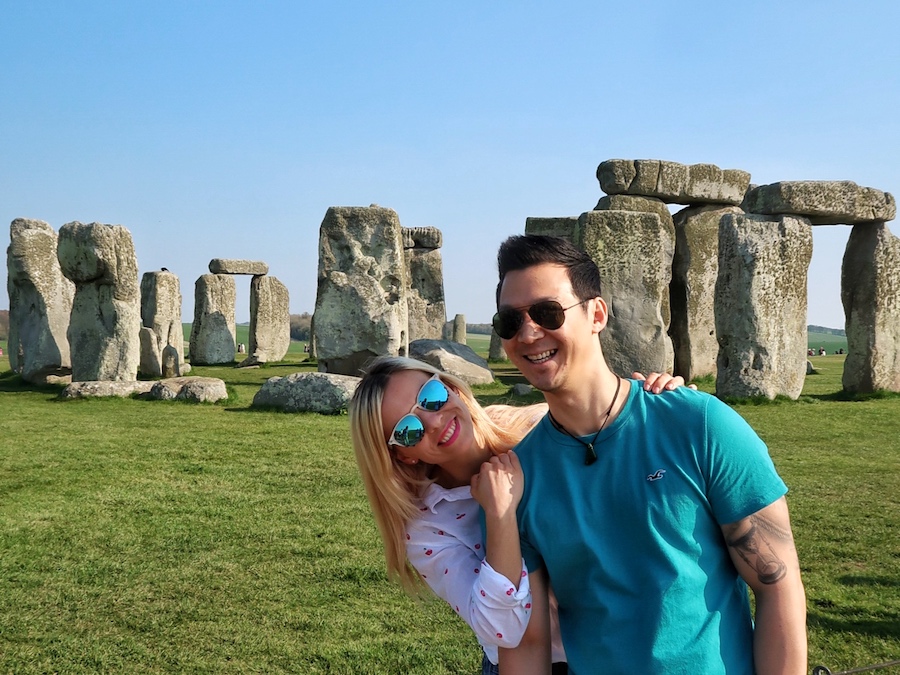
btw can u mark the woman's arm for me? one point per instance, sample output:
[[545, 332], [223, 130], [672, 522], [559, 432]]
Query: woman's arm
[[533, 655]]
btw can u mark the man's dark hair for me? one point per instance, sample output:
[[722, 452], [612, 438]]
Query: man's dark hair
[[520, 252]]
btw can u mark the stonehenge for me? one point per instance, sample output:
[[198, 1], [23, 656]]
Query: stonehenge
[[379, 286], [735, 305], [40, 302], [161, 320]]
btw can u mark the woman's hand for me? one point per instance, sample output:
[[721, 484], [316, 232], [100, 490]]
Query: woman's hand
[[656, 382], [498, 486]]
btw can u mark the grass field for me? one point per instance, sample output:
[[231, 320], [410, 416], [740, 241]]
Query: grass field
[[151, 537]]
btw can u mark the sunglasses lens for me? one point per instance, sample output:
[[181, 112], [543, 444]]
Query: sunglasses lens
[[507, 323], [409, 431], [433, 395], [548, 314]]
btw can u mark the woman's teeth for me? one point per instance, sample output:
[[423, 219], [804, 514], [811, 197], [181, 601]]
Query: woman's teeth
[[450, 430]]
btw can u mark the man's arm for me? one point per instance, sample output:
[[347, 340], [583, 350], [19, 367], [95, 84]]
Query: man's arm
[[532, 656], [762, 549]]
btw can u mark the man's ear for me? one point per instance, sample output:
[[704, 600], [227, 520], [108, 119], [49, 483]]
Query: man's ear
[[600, 314]]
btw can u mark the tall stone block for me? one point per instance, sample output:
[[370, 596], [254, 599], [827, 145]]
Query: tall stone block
[[161, 312], [270, 319], [361, 297], [870, 291], [106, 309], [760, 305], [212, 333], [695, 269], [40, 302], [425, 299], [459, 329], [634, 253]]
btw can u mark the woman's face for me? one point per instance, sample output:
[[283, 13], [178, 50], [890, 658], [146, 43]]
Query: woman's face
[[449, 437]]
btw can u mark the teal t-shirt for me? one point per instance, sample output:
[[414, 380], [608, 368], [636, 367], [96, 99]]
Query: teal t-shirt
[[632, 543]]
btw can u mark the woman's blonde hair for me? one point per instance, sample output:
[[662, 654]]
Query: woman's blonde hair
[[393, 487]]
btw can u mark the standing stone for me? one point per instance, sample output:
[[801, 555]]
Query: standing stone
[[270, 320], [161, 312], [106, 309], [212, 333], [634, 253], [151, 357], [695, 268], [760, 305], [361, 298], [425, 300], [564, 227], [870, 291], [673, 182], [824, 202], [171, 366], [40, 302], [496, 351], [459, 329]]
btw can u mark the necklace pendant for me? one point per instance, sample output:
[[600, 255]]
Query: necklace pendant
[[590, 456]]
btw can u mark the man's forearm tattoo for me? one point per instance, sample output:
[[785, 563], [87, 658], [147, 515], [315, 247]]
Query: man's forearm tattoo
[[750, 539]]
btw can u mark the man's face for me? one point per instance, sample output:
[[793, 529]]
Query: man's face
[[550, 359]]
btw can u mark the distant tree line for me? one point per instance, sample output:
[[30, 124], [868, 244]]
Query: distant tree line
[[478, 328], [4, 324], [829, 331], [300, 326]]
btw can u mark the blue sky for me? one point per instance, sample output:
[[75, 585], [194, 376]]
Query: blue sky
[[227, 129]]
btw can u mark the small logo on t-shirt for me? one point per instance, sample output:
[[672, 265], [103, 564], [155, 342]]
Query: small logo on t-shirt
[[657, 475]]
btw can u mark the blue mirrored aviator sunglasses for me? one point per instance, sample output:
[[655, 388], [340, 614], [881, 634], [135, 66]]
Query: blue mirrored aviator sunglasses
[[547, 314], [410, 429]]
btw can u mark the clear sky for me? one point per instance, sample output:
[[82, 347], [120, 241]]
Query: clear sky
[[226, 129]]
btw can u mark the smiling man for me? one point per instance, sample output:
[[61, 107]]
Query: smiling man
[[650, 515]]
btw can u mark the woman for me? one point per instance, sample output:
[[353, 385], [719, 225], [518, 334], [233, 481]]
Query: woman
[[427, 452]]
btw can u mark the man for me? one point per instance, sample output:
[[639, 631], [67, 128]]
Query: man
[[649, 515]]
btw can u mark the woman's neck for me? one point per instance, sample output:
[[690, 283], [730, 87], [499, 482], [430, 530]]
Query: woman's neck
[[456, 474]]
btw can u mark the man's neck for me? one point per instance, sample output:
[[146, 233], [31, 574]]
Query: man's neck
[[582, 411]]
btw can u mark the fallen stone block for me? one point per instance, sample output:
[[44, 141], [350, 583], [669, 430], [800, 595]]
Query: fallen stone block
[[325, 393], [105, 388], [453, 358]]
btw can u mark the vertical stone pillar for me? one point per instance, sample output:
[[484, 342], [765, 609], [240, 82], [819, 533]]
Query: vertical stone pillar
[[361, 298], [106, 309], [634, 254], [425, 272], [270, 320], [496, 351], [161, 312], [760, 305], [459, 329], [212, 333], [870, 292], [40, 302], [695, 268]]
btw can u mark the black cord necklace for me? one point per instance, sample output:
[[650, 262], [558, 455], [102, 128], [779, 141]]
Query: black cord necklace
[[590, 455]]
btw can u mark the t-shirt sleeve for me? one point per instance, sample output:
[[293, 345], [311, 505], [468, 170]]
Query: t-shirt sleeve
[[742, 478]]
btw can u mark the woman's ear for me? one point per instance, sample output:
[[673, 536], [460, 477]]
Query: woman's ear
[[406, 460]]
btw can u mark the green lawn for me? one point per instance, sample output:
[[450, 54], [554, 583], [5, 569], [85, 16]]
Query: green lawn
[[151, 537]]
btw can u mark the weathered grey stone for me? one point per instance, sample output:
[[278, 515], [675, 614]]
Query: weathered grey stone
[[426, 308], [324, 393], [40, 302], [634, 254], [564, 227], [161, 310], [870, 291], [521, 389], [760, 305], [212, 333], [496, 351], [270, 319], [459, 329], [454, 358], [809, 368], [171, 365], [635, 203], [429, 238], [695, 268], [105, 388], [361, 299], [673, 182], [194, 389], [823, 202], [151, 358], [230, 266], [106, 309]]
